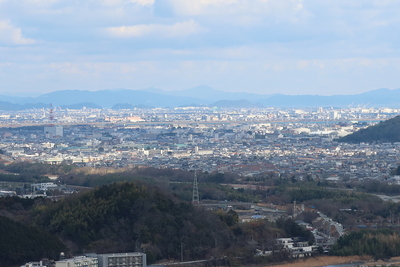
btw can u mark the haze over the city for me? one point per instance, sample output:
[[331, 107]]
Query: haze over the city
[[255, 46]]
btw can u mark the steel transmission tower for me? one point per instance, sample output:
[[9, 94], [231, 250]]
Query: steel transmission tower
[[195, 198]]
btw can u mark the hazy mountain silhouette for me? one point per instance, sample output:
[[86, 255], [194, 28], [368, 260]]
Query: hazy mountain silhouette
[[108, 98], [379, 97], [196, 96], [14, 107], [208, 93], [80, 106], [235, 104]]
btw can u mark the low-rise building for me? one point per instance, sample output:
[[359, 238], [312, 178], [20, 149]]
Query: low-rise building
[[81, 261], [130, 259]]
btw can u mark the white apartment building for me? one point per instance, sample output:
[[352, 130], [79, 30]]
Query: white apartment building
[[81, 261], [131, 259], [53, 131]]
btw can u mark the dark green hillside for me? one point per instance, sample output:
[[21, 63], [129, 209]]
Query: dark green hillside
[[127, 217], [20, 243], [385, 131], [37, 168], [381, 244]]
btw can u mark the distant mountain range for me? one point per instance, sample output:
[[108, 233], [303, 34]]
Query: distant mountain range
[[197, 96]]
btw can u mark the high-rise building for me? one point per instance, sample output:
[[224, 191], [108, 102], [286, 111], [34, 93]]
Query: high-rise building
[[335, 115], [54, 131]]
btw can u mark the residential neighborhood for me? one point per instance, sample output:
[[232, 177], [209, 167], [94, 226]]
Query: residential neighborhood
[[249, 142]]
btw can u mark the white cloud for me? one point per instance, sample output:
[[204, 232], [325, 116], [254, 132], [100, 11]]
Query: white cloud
[[245, 7], [69, 68], [220, 42], [112, 2], [42, 2], [178, 29], [99, 69], [123, 2], [142, 2], [10, 34]]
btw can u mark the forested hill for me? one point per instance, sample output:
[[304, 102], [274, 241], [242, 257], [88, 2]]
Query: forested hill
[[20, 243], [385, 131], [127, 217]]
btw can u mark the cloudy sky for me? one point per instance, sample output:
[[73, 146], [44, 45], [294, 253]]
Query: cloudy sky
[[320, 47]]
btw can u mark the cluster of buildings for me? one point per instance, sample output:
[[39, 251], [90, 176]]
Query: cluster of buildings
[[248, 142], [131, 259], [325, 230], [191, 114]]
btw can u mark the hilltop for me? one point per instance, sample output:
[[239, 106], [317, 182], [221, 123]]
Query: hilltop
[[385, 131], [128, 217]]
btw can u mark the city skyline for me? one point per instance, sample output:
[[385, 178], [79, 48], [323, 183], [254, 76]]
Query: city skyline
[[265, 47]]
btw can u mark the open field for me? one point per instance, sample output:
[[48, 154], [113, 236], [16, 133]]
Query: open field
[[325, 261]]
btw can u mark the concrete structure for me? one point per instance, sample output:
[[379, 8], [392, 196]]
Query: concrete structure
[[286, 243], [53, 131], [131, 259], [44, 186], [34, 264], [81, 261], [296, 249], [4, 193], [43, 263]]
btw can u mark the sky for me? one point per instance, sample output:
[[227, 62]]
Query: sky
[[323, 47]]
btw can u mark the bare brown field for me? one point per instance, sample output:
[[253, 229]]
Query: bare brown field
[[395, 261], [324, 261]]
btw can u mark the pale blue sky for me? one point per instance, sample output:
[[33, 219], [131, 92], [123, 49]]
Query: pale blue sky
[[320, 47]]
